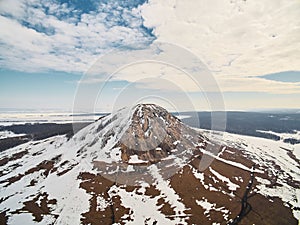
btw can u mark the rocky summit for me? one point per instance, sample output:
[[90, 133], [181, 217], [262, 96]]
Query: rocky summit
[[142, 165]]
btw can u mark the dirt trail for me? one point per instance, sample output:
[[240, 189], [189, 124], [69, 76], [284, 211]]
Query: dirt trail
[[246, 207]]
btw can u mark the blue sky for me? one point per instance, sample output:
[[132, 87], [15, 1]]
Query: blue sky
[[46, 47], [287, 76], [23, 90]]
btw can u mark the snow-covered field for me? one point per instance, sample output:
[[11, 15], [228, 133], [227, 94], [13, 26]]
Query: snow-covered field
[[59, 176], [283, 136], [15, 117], [12, 118], [72, 201], [7, 134], [263, 151]]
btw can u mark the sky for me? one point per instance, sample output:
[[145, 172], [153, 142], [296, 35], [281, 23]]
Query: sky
[[184, 55]]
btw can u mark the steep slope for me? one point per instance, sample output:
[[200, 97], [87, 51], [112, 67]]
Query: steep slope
[[140, 136], [141, 165]]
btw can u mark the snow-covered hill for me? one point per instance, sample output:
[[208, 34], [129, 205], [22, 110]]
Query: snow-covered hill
[[142, 165]]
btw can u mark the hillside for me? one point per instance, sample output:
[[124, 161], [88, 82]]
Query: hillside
[[142, 165]]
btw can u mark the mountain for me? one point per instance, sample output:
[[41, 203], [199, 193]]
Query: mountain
[[142, 165]]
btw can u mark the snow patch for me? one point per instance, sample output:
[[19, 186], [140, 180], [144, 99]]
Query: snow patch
[[8, 134], [231, 186], [134, 159]]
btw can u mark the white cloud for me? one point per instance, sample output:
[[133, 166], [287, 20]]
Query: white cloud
[[13, 8], [232, 37], [180, 69], [254, 84], [161, 74], [237, 40], [33, 39]]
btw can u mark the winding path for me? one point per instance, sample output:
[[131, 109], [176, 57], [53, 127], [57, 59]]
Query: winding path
[[246, 207]]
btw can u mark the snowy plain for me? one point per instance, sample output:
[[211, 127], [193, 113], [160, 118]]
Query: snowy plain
[[72, 201]]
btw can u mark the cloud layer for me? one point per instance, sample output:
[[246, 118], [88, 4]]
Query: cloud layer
[[233, 37], [41, 35], [238, 40]]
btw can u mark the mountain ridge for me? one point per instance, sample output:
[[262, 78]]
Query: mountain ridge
[[85, 180]]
